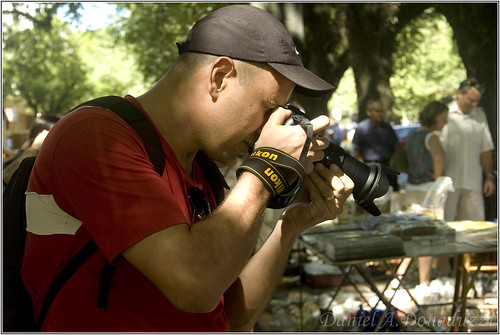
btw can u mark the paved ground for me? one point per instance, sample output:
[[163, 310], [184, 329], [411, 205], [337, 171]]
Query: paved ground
[[298, 307]]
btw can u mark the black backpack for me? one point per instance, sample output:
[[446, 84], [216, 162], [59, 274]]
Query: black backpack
[[17, 308]]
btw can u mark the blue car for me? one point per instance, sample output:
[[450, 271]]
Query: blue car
[[403, 131]]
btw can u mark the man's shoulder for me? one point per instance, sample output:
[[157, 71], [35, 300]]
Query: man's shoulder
[[452, 106], [88, 131], [85, 113], [86, 120], [387, 125], [364, 124], [479, 112]]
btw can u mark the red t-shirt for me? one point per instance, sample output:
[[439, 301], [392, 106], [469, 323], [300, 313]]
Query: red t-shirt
[[92, 178]]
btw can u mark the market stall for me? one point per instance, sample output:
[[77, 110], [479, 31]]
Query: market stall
[[347, 252]]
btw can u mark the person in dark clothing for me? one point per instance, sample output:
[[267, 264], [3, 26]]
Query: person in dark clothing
[[374, 140]]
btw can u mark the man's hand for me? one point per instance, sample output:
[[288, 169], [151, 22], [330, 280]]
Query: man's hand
[[489, 187], [291, 139], [328, 189]]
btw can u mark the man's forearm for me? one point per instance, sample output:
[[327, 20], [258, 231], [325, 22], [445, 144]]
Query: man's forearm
[[209, 255], [487, 162], [248, 297]]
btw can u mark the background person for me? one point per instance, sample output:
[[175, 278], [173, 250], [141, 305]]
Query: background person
[[38, 131], [425, 164], [374, 140], [424, 152], [468, 148], [178, 268]]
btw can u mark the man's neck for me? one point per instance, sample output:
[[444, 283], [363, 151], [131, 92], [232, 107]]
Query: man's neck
[[173, 127], [462, 111]]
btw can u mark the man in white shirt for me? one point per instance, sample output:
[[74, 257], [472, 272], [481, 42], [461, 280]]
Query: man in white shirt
[[468, 148]]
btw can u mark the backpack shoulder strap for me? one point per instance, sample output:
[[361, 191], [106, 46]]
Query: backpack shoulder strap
[[73, 265], [15, 228], [17, 186], [134, 117], [214, 176]]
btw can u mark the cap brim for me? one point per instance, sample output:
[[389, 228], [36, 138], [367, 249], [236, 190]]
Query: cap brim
[[308, 83]]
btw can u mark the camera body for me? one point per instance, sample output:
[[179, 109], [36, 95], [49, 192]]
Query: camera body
[[370, 181]]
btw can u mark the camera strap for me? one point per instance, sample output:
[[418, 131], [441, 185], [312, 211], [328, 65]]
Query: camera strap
[[303, 121], [282, 174]]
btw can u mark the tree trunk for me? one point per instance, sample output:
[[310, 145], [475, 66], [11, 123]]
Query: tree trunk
[[371, 31], [367, 29]]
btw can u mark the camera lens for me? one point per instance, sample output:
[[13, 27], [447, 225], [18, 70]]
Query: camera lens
[[370, 181]]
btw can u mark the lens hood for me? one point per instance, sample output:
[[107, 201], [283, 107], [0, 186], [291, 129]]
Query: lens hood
[[370, 181]]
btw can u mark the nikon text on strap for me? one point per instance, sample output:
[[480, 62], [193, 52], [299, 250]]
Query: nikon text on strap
[[282, 174]]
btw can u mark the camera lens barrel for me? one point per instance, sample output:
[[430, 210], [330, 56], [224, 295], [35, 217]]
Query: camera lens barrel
[[370, 181]]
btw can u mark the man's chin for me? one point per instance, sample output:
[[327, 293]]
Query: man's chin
[[227, 159]]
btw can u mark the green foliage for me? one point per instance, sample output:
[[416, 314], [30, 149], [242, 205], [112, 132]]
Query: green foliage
[[110, 68], [151, 30], [40, 15], [42, 67], [426, 65], [52, 67]]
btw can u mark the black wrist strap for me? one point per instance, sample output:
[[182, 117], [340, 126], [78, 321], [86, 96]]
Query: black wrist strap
[[275, 168], [271, 165], [281, 173]]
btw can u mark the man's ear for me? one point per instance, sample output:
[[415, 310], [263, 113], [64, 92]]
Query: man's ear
[[222, 69]]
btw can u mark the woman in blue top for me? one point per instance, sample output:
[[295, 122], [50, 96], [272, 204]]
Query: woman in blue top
[[424, 151], [425, 165]]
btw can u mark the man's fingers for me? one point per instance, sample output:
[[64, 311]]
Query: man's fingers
[[340, 184], [319, 143], [320, 123]]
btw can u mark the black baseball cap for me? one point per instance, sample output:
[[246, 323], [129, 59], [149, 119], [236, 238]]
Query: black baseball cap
[[249, 33]]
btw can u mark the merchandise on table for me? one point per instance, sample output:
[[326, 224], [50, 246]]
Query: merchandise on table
[[361, 245]]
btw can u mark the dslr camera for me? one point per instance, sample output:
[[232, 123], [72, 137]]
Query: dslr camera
[[370, 181]]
